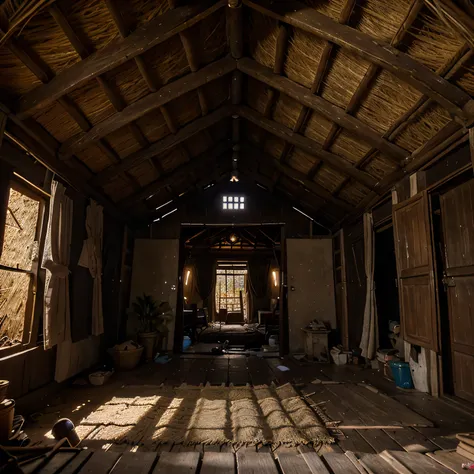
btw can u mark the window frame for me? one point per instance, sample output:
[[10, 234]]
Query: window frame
[[232, 266], [232, 200], [31, 322]]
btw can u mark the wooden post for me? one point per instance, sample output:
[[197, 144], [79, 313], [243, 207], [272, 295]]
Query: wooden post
[[3, 123], [235, 28], [471, 145], [283, 321]]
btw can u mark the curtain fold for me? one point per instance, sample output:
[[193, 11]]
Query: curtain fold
[[206, 280], [368, 342], [258, 278], [206, 276], [56, 316], [91, 257]]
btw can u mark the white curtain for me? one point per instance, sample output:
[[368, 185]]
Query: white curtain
[[91, 258], [368, 343], [57, 321]]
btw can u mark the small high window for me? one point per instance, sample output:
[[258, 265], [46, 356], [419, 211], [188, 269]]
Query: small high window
[[233, 203]]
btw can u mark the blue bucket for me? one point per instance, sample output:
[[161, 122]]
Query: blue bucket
[[186, 342], [401, 373]]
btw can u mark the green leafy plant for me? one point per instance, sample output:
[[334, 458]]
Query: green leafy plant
[[146, 308]]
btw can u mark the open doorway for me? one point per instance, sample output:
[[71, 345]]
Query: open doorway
[[231, 288], [386, 290]]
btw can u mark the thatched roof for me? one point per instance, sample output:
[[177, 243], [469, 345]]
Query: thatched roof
[[136, 102]]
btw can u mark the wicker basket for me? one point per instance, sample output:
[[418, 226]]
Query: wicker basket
[[127, 360], [3, 389]]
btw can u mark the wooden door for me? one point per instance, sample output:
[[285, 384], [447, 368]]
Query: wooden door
[[310, 286], [341, 286], [457, 216], [416, 273]]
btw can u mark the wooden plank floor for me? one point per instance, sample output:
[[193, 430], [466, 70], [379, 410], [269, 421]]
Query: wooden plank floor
[[246, 461], [374, 415]]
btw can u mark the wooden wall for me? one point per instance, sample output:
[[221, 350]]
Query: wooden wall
[[206, 207], [34, 367], [155, 272]]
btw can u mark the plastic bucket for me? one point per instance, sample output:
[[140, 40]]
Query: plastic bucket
[[401, 373]]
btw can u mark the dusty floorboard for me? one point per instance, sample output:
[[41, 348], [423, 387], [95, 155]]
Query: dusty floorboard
[[368, 415]]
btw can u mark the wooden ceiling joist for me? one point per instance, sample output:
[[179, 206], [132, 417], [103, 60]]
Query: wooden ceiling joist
[[164, 144], [401, 65], [147, 104], [116, 53], [308, 145], [203, 160], [332, 112]]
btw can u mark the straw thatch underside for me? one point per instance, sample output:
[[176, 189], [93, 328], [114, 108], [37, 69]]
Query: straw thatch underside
[[430, 39]]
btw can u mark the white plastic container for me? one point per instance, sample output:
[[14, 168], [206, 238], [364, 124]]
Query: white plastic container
[[339, 358]]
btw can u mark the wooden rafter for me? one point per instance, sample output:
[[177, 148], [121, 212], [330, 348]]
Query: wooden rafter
[[447, 71], [279, 62], [116, 53], [45, 75], [203, 160], [323, 107], [164, 144], [192, 56], [148, 103], [27, 140], [250, 172], [401, 65], [114, 98], [364, 87], [323, 64], [298, 176], [308, 145]]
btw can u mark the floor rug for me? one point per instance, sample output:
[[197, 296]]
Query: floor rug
[[151, 415]]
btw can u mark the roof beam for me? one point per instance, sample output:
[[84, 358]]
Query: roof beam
[[116, 53], [308, 145], [411, 71], [148, 103], [364, 87], [318, 79], [296, 175], [27, 140], [336, 114], [166, 143], [203, 160]]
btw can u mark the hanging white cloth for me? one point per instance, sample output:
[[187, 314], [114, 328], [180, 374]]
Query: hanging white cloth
[[57, 318], [369, 331], [91, 258]]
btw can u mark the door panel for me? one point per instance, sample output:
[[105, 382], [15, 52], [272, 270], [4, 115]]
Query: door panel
[[461, 311], [415, 294], [463, 375], [415, 270], [457, 215]]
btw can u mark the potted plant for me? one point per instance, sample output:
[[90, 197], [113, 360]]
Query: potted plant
[[146, 308]]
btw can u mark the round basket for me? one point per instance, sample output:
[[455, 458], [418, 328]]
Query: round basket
[[127, 360], [3, 389]]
